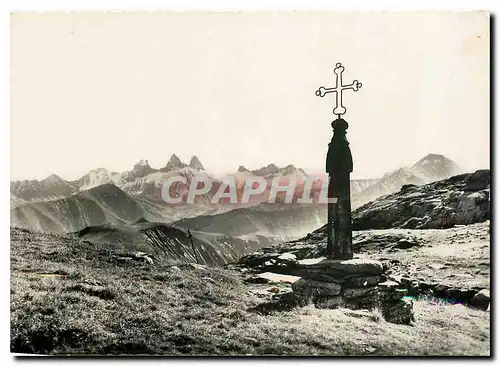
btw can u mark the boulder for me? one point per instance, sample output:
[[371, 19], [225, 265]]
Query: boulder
[[478, 180], [359, 292], [398, 312], [329, 302], [392, 294], [283, 302], [481, 300], [310, 288], [369, 300], [256, 279], [388, 284], [406, 244], [288, 256]]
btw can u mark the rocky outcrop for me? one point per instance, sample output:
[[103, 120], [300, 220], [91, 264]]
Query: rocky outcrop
[[266, 170], [459, 200], [173, 164], [481, 300], [431, 168], [141, 169], [195, 163], [52, 187]]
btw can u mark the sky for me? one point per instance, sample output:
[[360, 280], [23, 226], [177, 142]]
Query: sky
[[105, 90]]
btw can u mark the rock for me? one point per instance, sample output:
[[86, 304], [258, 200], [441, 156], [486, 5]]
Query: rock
[[460, 295], [478, 180], [291, 299], [312, 288], [398, 312], [424, 286], [274, 290], [450, 293], [392, 294], [362, 281], [388, 284], [406, 244], [329, 302], [288, 256], [256, 279], [406, 282], [415, 223], [285, 302], [481, 300], [343, 268], [406, 187], [437, 205], [368, 301], [259, 293], [358, 292]]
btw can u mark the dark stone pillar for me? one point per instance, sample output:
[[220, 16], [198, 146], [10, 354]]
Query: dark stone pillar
[[339, 168]]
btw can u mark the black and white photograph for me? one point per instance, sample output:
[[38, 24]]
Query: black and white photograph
[[250, 183]]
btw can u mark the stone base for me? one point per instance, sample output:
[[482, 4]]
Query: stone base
[[340, 270], [352, 284], [329, 302], [311, 288]]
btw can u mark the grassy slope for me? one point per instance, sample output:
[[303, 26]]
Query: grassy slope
[[102, 306]]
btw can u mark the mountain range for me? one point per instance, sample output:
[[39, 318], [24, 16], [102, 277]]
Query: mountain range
[[119, 200]]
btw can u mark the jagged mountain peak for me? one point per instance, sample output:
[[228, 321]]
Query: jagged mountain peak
[[140, 169], [241, 168], [432, 159], [98, 170], [291, 169], [195, 163], [266, 170], [99, 176], [141, 163], [436, 167], [273, 169], [53, 178], [174, 163]]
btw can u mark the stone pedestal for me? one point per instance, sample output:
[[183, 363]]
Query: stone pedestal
[[352, 284], [340, 283]]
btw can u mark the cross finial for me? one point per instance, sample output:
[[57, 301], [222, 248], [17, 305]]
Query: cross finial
[[339, 109]]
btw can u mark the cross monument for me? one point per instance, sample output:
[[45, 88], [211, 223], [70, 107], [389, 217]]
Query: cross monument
[[339, 167]]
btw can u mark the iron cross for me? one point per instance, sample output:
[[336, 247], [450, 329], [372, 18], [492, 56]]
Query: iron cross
[[322, 91]]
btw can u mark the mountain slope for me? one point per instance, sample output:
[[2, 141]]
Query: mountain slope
[[276, 221], [98, 177], [169, 243], [68, 297], [141, 169], [459, 200], [432, 167], [51, 187], [105, 204]]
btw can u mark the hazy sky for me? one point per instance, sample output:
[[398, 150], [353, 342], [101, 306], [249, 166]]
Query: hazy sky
[[91, 90]]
